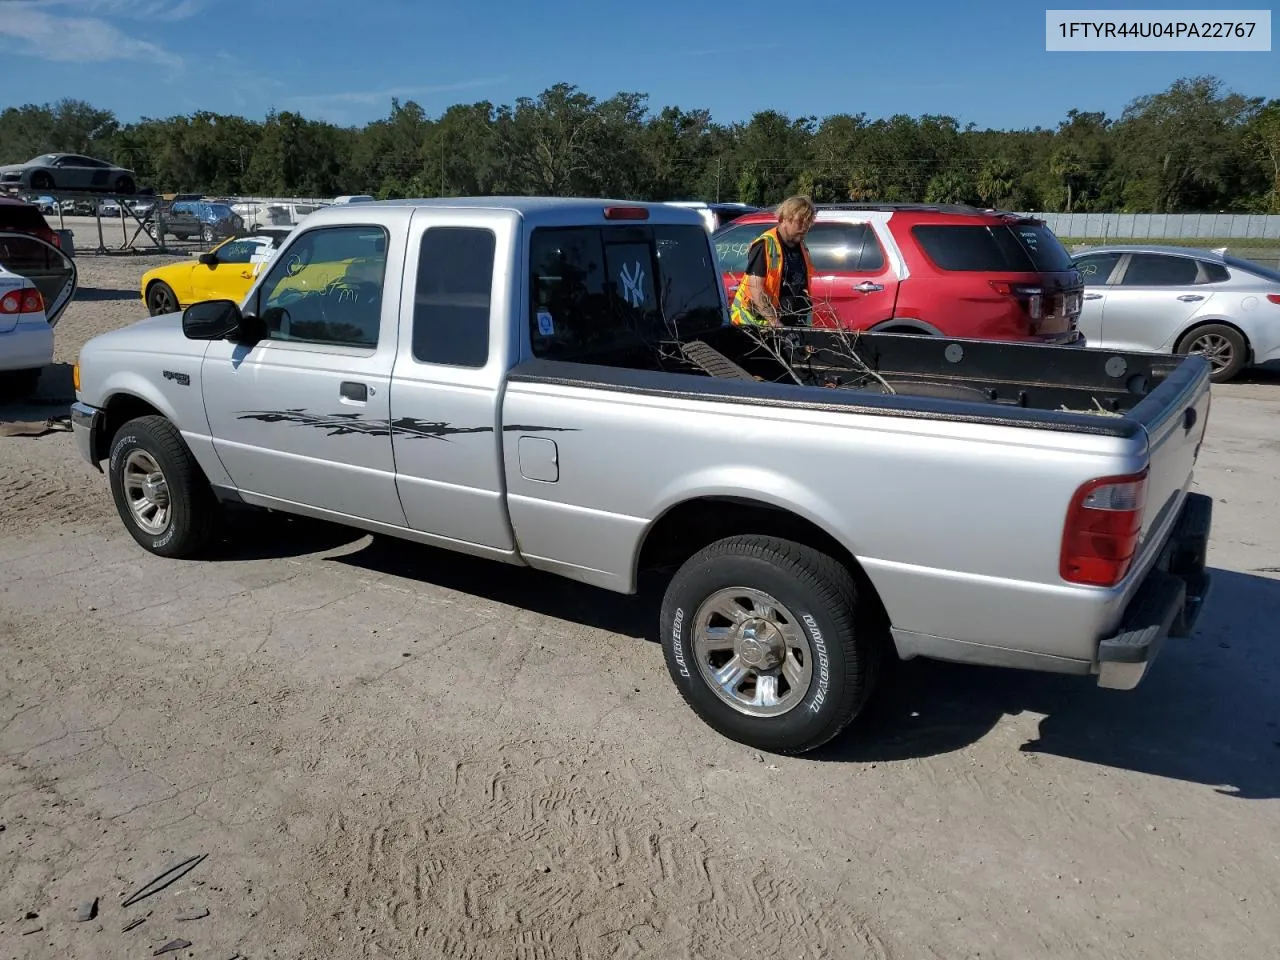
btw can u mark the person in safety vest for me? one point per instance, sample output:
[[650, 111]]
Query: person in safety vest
[[775, 289]]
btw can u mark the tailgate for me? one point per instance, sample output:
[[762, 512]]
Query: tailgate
[[1175, 416]]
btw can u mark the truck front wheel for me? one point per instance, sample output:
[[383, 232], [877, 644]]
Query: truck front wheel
[[159, 490], [765, 641]]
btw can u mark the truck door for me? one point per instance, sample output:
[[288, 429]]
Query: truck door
[[449, 367], [303, 416]]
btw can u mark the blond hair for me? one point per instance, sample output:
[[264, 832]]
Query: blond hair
[[797, 207]]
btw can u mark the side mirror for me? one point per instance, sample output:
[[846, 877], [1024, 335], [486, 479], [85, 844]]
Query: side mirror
[[209, 259], [211, 320]]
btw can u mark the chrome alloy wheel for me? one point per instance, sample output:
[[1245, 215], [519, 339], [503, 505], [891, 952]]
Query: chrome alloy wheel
[[752, 651], [146, 491], [1215, 348]]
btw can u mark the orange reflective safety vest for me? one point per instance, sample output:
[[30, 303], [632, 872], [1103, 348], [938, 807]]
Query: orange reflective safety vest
[[740, 311]]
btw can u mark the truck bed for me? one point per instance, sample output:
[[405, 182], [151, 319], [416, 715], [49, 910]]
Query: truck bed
[[1072, 389]]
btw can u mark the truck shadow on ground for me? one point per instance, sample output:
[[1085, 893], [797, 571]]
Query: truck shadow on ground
[[1208, 711], [55, 392], [543, 593]]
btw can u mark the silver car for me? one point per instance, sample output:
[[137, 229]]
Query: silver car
[[1181, 300]]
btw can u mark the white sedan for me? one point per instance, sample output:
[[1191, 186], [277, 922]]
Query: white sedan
[[31, 301], [1181, 300]]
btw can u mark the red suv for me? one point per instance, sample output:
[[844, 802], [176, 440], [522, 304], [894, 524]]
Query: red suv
[[951, 271]]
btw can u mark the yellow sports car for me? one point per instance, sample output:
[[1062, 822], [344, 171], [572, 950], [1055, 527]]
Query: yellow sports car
[[224, 273]]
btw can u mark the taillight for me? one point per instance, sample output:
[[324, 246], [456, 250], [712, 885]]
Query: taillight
[[626, 213], [22, 301], [1274, 297], [1031, 297], [1101, 534]]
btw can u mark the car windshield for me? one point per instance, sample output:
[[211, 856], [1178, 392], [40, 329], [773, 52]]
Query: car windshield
[[606, 289]]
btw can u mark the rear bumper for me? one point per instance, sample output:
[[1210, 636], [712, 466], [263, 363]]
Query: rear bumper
[[28, 346], [1168, 602]]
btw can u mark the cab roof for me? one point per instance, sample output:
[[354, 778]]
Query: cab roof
[[560, 210]]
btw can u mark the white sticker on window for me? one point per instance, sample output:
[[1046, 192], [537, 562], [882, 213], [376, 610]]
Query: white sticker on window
[[633, 284], [546, 326]]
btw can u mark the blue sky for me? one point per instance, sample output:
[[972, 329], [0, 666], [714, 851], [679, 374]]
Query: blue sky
[[343, 61]]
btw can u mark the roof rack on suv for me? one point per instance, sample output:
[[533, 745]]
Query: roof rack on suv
[[923, 207]]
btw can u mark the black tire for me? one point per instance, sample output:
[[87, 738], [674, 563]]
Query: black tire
[[125, 185], [41, 180], [812, 591], [1228, 351], [193, 510], [207, 235], [161, 299]]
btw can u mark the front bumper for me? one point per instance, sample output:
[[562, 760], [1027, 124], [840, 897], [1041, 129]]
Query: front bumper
[[85, 427], [1168, 602]]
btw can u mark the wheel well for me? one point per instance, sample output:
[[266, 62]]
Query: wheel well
[[1199, 324], [685, 529], [119, 410], [906, 325]]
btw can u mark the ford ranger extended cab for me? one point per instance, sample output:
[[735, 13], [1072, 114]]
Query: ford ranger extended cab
[[553, 383]]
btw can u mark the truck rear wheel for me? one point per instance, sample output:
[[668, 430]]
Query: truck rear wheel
[[764, 639], [159, 490]]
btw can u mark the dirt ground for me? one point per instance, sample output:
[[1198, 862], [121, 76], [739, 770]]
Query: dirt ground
[[388, 751]]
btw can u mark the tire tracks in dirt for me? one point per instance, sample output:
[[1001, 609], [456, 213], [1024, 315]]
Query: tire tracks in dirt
[[536, 855]]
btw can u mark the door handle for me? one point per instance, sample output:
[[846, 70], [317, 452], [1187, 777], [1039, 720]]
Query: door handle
[[1190, 297], [353, 391], [1093, 296], [866, 286]]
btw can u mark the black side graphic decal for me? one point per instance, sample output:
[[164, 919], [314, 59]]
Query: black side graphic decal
[[344, 424], [522, 428]]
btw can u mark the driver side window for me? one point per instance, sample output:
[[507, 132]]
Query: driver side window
[[238, 251], [327, 288]]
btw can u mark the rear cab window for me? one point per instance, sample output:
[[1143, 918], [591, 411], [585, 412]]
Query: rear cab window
[[993, 248], [610, 289]]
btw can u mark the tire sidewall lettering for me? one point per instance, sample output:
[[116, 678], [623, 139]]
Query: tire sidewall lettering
[[677, 641], [822, 668], [123, 445]]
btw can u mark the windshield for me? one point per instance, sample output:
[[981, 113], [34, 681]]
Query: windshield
[[605, 289]]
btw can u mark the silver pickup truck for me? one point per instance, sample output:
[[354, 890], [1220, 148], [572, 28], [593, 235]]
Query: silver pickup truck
[[553, 383]]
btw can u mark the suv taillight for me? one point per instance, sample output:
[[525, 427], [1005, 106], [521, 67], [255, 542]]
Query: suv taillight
[[22, 301], [1031, 297], [1104, 522]]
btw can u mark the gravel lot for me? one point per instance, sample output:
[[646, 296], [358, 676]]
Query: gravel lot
[[389, 751]]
